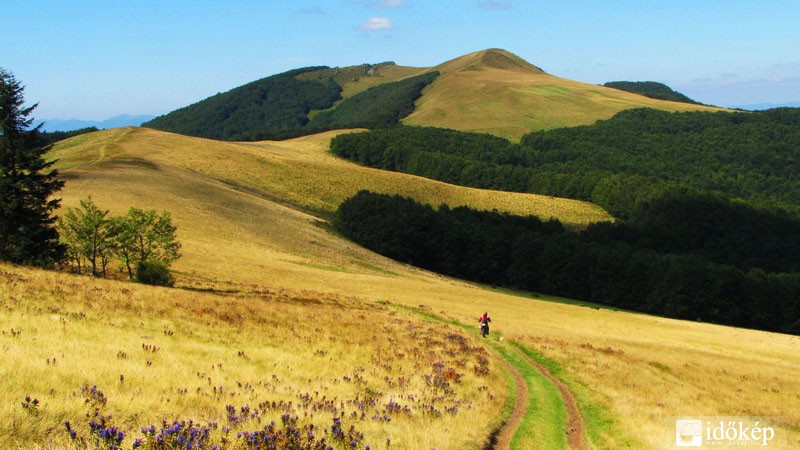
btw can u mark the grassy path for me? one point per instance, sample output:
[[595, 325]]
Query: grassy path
[[575, 428], [543, 424], [501, 437], [545, 412]]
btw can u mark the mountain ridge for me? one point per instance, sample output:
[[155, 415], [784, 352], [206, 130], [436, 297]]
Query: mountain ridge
[[489, 91]]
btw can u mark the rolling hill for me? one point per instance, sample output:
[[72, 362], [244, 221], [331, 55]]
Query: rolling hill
[[300, 173], [253, 255], [494, 91], [277, 318], [490, 91]]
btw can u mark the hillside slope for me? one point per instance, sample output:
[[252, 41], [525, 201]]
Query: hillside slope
[[272, 107], [491, 91], [629, 371], [300, 173], [378, 107], [494, 91]]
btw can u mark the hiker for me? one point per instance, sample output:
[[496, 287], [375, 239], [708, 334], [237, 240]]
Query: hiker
[[484, 321]]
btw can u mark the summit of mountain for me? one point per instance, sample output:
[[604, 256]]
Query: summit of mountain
[[490, 91], [493, 58], [497, 92]]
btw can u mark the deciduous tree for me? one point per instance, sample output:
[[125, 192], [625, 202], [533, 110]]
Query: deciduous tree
[[89, 235], [145, 236]]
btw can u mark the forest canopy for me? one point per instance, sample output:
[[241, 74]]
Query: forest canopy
[[652, 89], [616, 163], [707, 207], [269, 108], [630, 266], [279, 107]]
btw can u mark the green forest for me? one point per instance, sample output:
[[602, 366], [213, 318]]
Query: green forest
[[652, 89], [269, 108], [278, 107], [707, 207], [635, 266], [616, 163], [381, 106]]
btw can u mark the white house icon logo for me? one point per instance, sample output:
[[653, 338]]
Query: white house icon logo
[[688, 433]]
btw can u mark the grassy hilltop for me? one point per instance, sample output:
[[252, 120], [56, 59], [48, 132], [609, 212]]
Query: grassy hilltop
[[494, 91], [270, 306], [490, 91]]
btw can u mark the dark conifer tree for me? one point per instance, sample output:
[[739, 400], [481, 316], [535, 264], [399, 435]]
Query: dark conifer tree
[[27, 184]]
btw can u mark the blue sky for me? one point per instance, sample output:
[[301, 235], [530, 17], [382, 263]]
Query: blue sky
[[97, 59]]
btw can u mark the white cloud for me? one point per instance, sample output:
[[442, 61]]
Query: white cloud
[[376, 24]]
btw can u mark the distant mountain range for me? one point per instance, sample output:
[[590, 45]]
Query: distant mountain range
[[124, 120]]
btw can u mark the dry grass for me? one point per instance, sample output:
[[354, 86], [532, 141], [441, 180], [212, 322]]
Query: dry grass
[[640, 371], [158, 354], [492, 92], [647, 371], [299, 172]]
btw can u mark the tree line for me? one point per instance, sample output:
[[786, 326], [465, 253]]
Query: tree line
[[608, 263], [652, 89], [46, 138], [615, 163]]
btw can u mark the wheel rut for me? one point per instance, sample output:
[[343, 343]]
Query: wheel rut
[[500, 439], [575, 427]]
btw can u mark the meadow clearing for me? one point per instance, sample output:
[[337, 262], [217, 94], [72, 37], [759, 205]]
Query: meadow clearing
[[256, 263]]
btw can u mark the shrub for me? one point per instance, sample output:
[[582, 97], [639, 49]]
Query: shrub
[[154, 273]]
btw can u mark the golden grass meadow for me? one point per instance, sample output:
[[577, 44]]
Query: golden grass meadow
[[494, 91], [145, 354], [271, 306]]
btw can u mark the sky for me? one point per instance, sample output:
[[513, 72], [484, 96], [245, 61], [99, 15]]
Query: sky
[[93, 60]]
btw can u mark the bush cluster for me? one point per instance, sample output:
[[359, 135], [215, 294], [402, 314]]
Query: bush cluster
[[140, 239]]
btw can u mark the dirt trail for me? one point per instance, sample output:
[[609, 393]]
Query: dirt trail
[[501, 438], [576, 431]]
